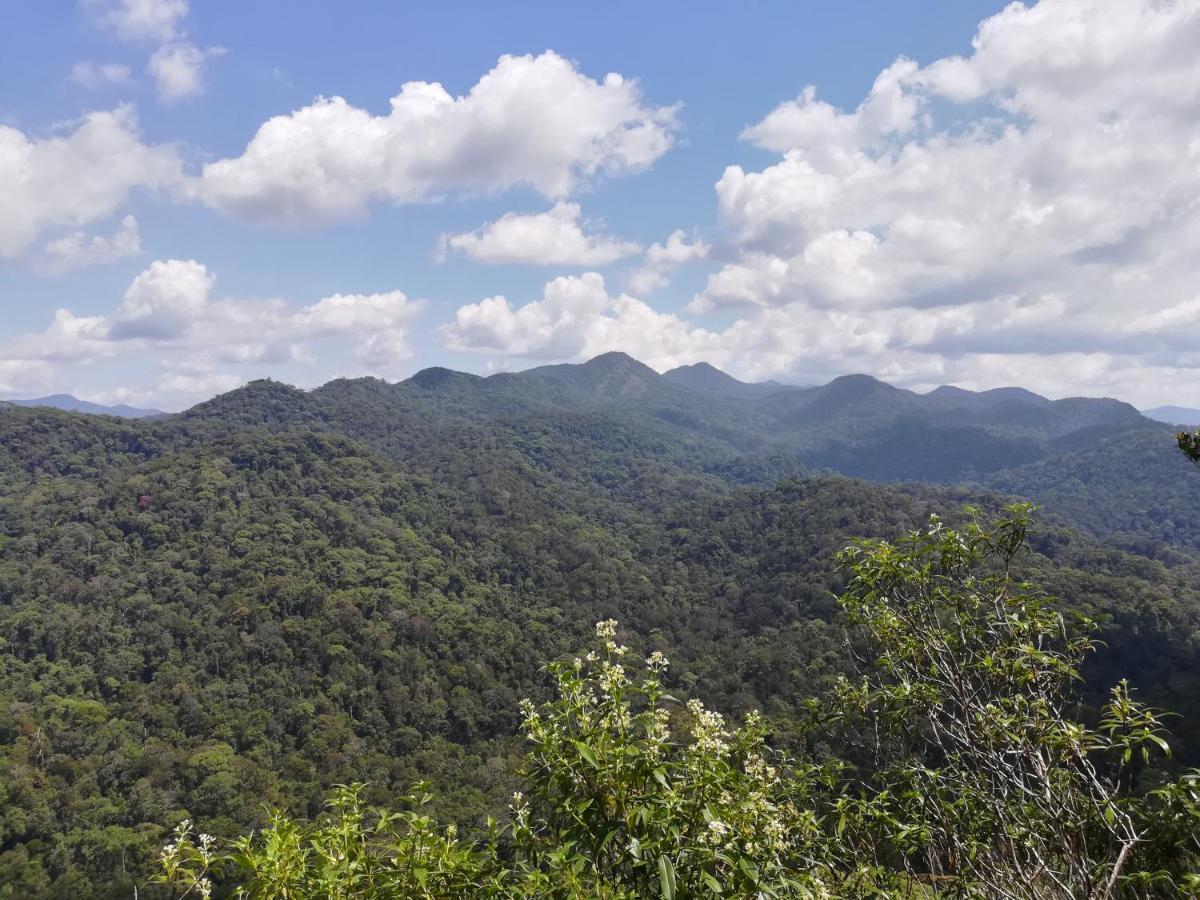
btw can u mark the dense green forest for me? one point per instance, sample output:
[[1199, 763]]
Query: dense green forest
[[207, 615]]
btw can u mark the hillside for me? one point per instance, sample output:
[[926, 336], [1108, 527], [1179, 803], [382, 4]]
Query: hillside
[[280, 590], [613, 421]]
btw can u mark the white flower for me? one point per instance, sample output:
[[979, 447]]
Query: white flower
[[717, 831], [709, 731], [657, 661], [606, 630], [660, 732]]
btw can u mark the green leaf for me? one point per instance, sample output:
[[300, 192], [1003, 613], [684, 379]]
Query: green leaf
[[750, 870], [588, 754], [713, 884], [666, 878]]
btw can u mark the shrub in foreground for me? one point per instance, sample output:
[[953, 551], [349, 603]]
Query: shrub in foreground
[[972, 776]]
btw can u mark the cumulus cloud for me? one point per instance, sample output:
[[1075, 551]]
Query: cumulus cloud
[[1011, 339], [890, 109], [79, 249], [552, 238], [663, 259], [19, 378], [95, 76], [71, 180], [139, 20], [176, 66], [164, 301], [531, 121], [1053, 173], [575, 319], [178, 70], [169, 308]]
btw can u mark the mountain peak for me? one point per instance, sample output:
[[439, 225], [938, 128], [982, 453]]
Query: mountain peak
[[709, 379], [859, 384], [436, 377], [609, 374], [263, 401], [1014, 393], [616, 361], [950, 390]]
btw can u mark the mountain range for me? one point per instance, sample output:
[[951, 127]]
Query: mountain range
[[699, 421], [73, 404], [279, 590]]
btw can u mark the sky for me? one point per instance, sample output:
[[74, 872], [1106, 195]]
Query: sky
[[197, 194]]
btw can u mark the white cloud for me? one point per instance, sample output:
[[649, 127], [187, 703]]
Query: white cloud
[[1040, 194], [552, 327], [170, 308], [71, 180], [139, 20], [79, 249], [890, 109], [176, 65], [530, 121], [1002, 341], [663, 259], [164, 301], [178, 70], [552, 238], [96, 76], [21, 379], [172, 390], [577, 319]]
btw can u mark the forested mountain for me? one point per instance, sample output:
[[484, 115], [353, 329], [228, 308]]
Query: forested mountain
[[281, 590], [711, 380], [615, 413]]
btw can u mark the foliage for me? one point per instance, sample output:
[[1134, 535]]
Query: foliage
[[1189, 444], [280, 591], [982, 784], [998, 789]]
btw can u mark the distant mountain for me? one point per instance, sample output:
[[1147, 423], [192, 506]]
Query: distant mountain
[[73, 404], [624, 425], [1174, 415], [711, 380], [614, 375]]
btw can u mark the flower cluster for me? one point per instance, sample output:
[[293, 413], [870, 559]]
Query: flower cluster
[[708, 731], [187, 863]]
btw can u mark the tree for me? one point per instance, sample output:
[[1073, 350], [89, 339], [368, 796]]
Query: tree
[[969, 778], [1189, 443], [986, 784]]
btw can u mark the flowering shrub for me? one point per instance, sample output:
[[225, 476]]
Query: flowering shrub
[[634, 795]]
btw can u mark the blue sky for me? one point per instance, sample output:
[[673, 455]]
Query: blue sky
[[933, 211]]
